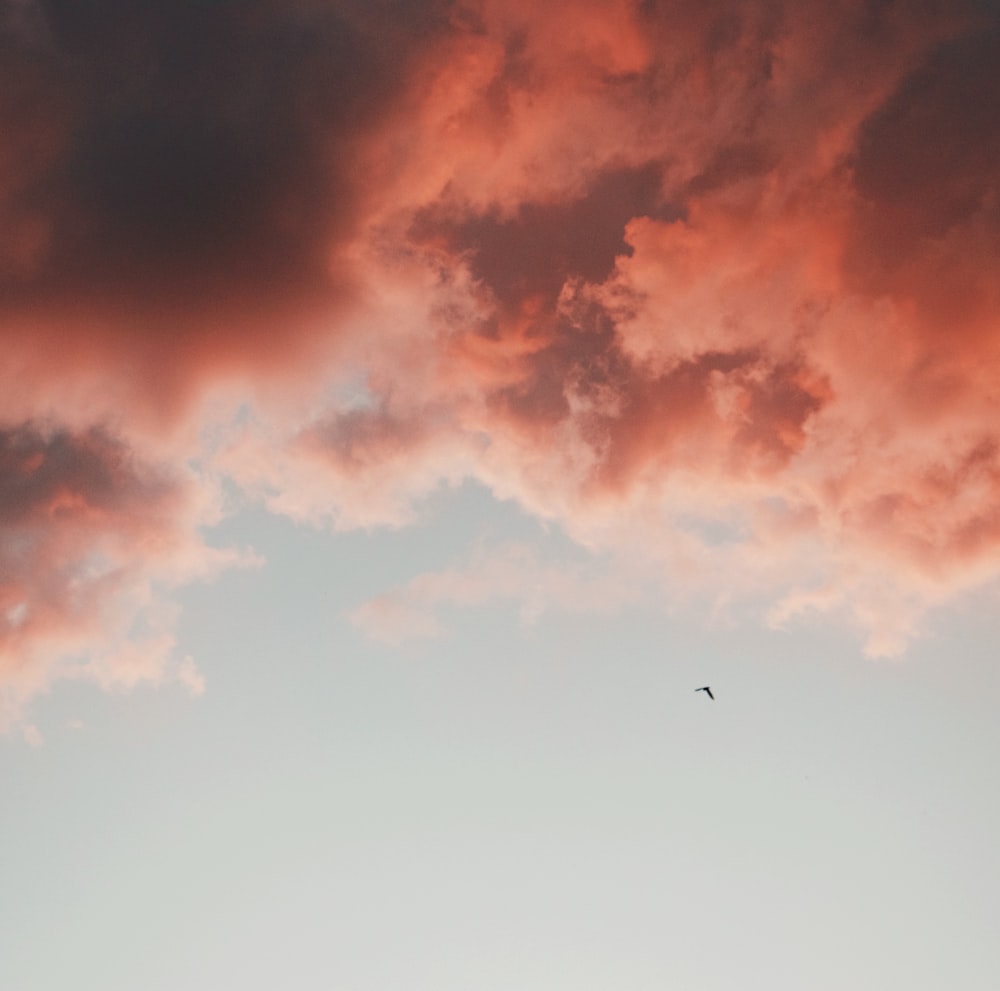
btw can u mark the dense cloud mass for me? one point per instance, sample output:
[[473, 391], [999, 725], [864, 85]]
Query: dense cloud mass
[[657, 270]]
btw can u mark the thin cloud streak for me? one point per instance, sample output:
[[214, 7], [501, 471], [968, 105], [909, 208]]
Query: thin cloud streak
[[659, 272], [512, 573]]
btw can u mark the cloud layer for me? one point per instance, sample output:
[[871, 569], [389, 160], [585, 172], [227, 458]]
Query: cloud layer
[[714, 287]]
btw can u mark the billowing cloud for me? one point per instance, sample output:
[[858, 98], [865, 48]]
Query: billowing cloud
[[711, 286], [763, 295]]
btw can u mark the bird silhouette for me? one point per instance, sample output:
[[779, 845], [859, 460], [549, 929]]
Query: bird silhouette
[[707, 691]]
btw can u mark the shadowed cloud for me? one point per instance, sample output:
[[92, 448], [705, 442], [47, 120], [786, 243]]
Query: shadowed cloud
[[183, 182], [545, 244]]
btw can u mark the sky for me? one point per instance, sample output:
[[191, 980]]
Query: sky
[[405, 406]]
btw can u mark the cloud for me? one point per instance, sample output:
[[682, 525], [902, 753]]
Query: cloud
[[178, 183], [710, 287], [513, 573], [763, 292], [92, 539]]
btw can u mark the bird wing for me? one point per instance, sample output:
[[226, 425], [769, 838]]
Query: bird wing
[[708, 692]]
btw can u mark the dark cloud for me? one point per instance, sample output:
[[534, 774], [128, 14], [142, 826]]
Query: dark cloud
[[361, 439], [928, 218], [223, 144], [183, 172], [47, 474], [79, 515], [545, 244], [730, 164], [927, 160]]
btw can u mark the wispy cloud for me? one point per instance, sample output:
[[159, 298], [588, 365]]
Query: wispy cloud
[[512, 573]]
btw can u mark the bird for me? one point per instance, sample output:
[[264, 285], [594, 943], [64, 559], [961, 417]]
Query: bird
[[707, 691]]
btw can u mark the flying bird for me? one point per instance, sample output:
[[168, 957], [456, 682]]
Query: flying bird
[[707, 691]]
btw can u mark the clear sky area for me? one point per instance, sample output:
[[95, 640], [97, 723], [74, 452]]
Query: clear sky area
[[406, 407]]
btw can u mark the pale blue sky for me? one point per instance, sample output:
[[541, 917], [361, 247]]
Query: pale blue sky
[[510, 807]]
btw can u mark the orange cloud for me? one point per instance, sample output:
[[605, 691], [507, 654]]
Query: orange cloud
[[727, 291], [91, 539], [714, 287]]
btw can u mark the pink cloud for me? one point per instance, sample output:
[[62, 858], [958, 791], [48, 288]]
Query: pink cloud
[[659, 272], [729, 331], [92, 540], [511, 573]]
